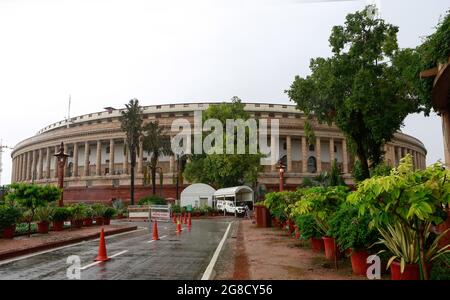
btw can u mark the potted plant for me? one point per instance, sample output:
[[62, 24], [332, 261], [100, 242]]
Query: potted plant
[[119, 206], [322, 203], [413, 199], [77, 215], [354, 234], [402, 243], [44, 216], [88, 216], [59, 216], [99, 210], [108, 214], [9, 215], [310, 231]]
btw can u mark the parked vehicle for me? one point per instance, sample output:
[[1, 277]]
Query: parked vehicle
[[230, 207]]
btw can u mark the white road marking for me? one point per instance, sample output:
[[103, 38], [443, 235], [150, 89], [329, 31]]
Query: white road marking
[[4, 262], [164, 236], [98, 262], [209, 270]]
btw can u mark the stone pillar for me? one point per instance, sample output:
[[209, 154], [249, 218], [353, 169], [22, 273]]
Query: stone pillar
[[56, 162], [34, 165], [40, 164], [399, 155], [75, 160], [86, 159], [140, 158], [304, 156], [20, 167], [344, 156], [98, 166], [273, 166], [125, 157], [13, 173], [111, 157], [331, 152], [172, 164], [318, 155], [66, 167], [289, 153], [47, 163], [30, 166]]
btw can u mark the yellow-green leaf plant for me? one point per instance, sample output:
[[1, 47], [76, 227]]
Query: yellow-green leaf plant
[[413, 198]]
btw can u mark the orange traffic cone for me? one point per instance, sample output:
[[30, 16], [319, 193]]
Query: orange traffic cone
[[102, 256], [189, 221], [155, 231], [185, 219], [179, 227]]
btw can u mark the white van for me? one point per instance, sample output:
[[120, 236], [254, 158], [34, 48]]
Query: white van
[[229, 207]]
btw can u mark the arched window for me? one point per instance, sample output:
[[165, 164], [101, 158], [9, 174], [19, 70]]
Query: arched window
[[311, 147], [312, 164]]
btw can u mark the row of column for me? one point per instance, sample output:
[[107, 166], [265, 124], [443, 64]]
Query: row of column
[[318, 155], [418, 159]]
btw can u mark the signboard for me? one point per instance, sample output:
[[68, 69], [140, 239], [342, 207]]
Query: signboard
[[138, 212], [160, 213], [189, 208]]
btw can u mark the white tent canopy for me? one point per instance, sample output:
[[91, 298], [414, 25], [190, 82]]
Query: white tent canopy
[[238, 193], [197, 195]]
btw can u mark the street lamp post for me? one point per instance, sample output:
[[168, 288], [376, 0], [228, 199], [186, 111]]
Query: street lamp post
[[281, 172], [61, 159]]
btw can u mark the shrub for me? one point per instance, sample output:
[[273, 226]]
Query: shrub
[[308, 227], [44, 214], [152, 200], [109, 212], [441, 268], [99, 209], [350, 230], [9, 215], [119, 206], [77, 212], [176, 209], [61, 214]]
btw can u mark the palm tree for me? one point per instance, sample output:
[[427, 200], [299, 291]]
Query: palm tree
[[157, 144], [132, 125]]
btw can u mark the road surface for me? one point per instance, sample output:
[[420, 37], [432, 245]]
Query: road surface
[[134, 255]]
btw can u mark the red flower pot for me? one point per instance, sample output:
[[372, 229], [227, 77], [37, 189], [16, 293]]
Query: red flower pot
[[331, 249], [411, 272], [88, 222], [106, 221], [8, 232], [43, 227], [119, 216], [77, 224], [359, 262], [291, 225], [317, 245], [99, 221], [297, 232], [58, 225]]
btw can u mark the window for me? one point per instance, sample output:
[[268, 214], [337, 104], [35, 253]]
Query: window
[[108, 150], [284, 146], [311, 147], [312, 164], [335, 148]]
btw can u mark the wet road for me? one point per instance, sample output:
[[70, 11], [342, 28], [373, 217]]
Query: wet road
[[182, 257]]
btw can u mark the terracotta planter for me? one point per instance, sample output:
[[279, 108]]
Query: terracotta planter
[[317, 245], [359, 262], [411, 272], [88, 222], [291, 225], [58, 225], [297, 232], [43, 227], [9, 232], [445, 240], [99, 220], [106, 221], [76, 224], [331, 249], [119, 216]]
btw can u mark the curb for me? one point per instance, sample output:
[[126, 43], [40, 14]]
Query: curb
[[57, 244]]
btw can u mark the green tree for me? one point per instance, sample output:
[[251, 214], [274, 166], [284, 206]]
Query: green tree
[[362, 88], [225, 170], [157, 144], [131, 123], [33, 196]]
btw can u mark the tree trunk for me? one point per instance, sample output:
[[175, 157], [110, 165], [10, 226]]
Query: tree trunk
[[132, 167], [363, 160], [153, 180]]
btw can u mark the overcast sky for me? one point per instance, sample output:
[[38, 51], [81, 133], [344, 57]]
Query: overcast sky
[[104, 53]]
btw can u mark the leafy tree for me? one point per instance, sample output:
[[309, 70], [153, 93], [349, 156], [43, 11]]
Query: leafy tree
[[157, 144], [225, 170], [33, 196], [131, 123], [362, 88]]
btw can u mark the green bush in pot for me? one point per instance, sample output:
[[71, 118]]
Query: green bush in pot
[[108, 213], [59, 216], [9, 216], [308, 227]]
